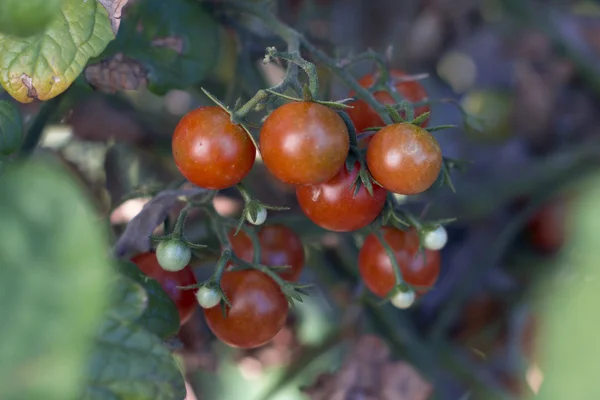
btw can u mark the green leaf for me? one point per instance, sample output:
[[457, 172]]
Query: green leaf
[[129, 299], [161, 316], [569, 306], [54, 275], [11, 127], [128, 361], [176, 40], [44, 65], [26, 18]]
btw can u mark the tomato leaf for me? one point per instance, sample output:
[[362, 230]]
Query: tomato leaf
[[54, 277], [44, 65], [11, 127], [128, 359], [130, 297], [161, 316], [25, 18], [176, 40]]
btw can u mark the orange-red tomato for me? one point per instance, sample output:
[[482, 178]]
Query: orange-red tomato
[[185, 300], [304, 143], [279, 245], [334, 206], [404, 158], [258, 310], [363, 116], [419, 269], [210, 151]]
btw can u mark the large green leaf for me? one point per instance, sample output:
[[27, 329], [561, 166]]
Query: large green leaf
[[570, 349], [44, 65], [176, 40], [53, 282], [25, 18], [129, 362], [161, 316], [11, 127]]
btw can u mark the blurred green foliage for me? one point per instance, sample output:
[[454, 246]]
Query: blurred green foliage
[[54, 274]]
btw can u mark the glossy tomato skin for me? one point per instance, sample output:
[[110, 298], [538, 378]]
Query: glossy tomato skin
[[258, 310], [404, 158], [332, 205], [363, 116], [375, 267], [304, 143], [279, 245], [210, 151], [185, 300]]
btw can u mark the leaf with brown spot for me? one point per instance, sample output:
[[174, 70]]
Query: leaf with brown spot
[[116, 73], [44, 65]]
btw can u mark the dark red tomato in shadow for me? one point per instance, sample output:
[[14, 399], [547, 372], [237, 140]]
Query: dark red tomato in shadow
[[185, 300], [363, 116], [418, 268], [333, 205], [546, 230], [279, 245]]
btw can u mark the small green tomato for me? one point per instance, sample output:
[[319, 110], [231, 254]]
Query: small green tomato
[[435, 239], [403, 300], [208, 297], [261, 217], [173, 255]]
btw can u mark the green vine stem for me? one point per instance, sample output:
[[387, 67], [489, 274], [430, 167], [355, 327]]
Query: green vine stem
[[390, 253], [291, 36]]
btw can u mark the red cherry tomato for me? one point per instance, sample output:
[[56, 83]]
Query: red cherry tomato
[[419, 269], [546, 230], [304, 143], [279, 245], [210, 151], [333, 205], [363, 116], [185, 300], [404, 158], [258, 310]]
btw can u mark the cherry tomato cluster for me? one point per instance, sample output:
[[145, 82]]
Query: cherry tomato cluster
[[306, 144]]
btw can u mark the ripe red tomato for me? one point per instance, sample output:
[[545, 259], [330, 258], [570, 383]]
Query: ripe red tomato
[[258, 309], [210, 151], [279, 245], [363, 116], [185, 300], [304, 143], [332, 205], [419, 269], [546, 230], [404, 158]]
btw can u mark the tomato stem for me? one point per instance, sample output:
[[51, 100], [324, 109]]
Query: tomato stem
[[180, 224], [295, 39], [255, 243], [390, 253], [351, 128]]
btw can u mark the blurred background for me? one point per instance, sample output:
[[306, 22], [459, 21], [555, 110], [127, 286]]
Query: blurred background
[[513, 314]]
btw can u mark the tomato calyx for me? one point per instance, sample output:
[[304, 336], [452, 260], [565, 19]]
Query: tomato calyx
[[292, 291], [214, 282], [253, 209], [174, 251], [449, 164]]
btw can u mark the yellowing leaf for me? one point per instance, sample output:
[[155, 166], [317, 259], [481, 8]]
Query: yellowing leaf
[[44, 65]]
